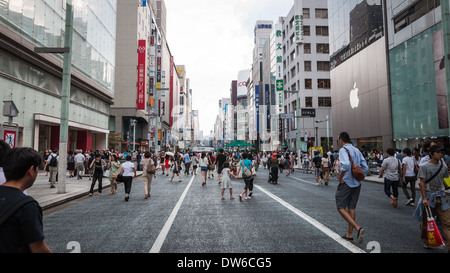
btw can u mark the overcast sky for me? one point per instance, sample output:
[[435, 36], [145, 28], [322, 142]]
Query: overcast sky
[[214, 40]]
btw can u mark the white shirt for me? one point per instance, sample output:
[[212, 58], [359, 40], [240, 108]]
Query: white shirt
[[204, 162], [409, 162], [127, 167], [2, 176], [79, 158]]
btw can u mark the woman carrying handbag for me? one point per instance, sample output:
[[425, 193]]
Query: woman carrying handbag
[[114, 166]]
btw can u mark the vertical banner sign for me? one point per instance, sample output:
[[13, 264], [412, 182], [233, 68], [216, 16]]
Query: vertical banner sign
[[141, 75], [257, 107], [171, 91], [298, 22], [267, 103], [158, 68], [279, 83]]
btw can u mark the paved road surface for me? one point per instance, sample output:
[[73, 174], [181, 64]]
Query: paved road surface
[[295, 216]]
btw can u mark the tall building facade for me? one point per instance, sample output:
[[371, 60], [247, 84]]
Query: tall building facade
[[33, 81], [152, 104], [390, 73], [242, 115], [419, 71], [361, 103], [256, 96], [306, 77], [135, 24]]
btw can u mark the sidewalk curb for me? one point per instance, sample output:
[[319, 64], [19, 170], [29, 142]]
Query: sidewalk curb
[[67, 197]]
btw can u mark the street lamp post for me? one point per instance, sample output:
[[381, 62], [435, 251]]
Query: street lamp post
[[297, 116], [65, 94], [133, 123], [328, 134]]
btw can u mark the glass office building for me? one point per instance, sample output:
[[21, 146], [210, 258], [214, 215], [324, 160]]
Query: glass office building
[[359, 73], [418, 73], [33, 81], [389, 72]]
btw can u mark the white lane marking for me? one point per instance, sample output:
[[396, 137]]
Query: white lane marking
[[165, 230], [333, 235], [309, 182]]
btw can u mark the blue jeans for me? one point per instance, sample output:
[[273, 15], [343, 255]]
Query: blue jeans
[[387, 187]]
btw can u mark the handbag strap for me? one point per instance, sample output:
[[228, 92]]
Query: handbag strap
[[349, 156], [428, 212], [434, 175]]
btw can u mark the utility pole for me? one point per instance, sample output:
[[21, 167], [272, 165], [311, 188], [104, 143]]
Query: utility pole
[[65, 94], [297, 116]]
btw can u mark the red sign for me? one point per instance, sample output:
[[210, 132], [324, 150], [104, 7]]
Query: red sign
[[10, 138], [141, 75]]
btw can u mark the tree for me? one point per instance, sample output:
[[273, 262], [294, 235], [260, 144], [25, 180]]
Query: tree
[[115, 139]]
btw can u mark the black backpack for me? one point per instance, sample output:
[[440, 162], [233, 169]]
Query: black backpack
[[317, 161], [53, 161]]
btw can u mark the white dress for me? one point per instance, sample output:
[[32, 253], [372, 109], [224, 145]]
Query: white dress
[[226, 180]]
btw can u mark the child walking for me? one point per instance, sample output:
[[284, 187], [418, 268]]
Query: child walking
[[226, 181]]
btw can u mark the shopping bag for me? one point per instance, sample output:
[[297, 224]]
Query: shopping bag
[[434, 235], [447, 183]]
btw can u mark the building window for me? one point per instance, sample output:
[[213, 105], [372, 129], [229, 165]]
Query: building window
[[321, 14], [323, 84], [306, 31], [321, 30], [414, 12], [306, 14], [307, 48], [324, 101], [308, 83], [308, 102], [323, 48], [307, 65], [323, 66]]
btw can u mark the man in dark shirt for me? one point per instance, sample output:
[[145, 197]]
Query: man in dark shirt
[[317, 161], [221, 158], [21, 227]]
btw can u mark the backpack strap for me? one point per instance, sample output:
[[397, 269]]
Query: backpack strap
[[7, 212], [434, 175]]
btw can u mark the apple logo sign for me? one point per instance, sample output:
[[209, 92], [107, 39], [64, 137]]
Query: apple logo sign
[[354, 99]]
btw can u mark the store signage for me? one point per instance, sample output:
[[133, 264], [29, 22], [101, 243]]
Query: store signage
[[141, 75], [309, 113], [287, 116], [279, 83], [298, 24]]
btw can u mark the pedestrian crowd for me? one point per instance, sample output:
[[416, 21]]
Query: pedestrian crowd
[[399, 168], [21, 215]]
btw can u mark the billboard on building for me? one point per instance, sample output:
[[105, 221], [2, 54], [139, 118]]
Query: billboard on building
[[243, 77]]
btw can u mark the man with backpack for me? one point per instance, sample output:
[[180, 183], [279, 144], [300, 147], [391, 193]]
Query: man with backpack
[[317, 161], [21, 227], [53, 167]]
